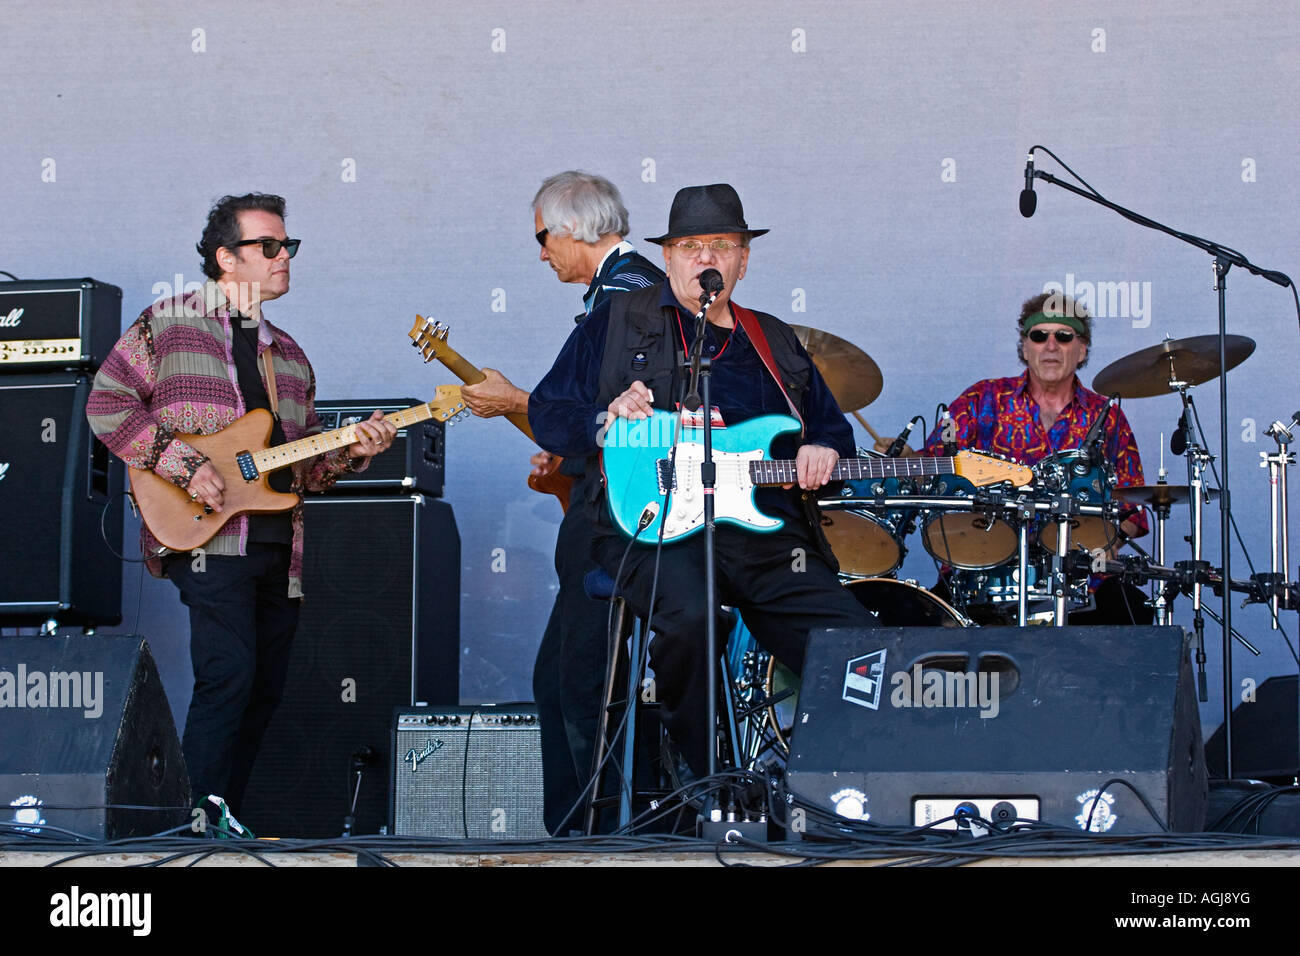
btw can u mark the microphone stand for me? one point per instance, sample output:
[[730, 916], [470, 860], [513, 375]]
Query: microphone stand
[[699, 399], [1223, 260]]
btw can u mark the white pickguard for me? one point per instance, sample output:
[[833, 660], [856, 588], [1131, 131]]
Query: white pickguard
[[733, 496]]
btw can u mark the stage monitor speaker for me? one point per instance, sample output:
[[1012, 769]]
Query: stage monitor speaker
[[468, 773], [380, 628], [904, 726], [415, 463], [1264, 734], [87, 727], [55, 481]]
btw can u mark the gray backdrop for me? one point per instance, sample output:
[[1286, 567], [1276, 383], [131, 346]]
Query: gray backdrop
[[882, 142]]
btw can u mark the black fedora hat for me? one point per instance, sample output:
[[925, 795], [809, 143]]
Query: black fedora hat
[[705, 211]]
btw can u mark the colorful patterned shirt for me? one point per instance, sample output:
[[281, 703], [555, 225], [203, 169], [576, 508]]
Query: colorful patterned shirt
[[173, 372], [999, 415]]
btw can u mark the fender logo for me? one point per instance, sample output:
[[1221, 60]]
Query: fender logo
[[416, 757]]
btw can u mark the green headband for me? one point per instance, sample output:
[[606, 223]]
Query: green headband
[[1039, 318]]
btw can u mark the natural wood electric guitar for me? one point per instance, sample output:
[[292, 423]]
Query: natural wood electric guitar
[[243, 459], [430, 338]]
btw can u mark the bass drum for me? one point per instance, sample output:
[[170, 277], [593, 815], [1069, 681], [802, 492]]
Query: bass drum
[[759, 678], [904, 604]]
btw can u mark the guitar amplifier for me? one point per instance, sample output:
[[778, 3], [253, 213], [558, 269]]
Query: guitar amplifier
[[57, 323], [414, 463], [468, 773]]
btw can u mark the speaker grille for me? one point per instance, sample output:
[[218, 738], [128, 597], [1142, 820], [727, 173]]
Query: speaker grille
[[466, 773]]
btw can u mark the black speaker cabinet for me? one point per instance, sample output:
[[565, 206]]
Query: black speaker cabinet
[[1263, 734], [86, 726], [55, 480], [468, 773], [904, 726], [57, 323], [380, 628]]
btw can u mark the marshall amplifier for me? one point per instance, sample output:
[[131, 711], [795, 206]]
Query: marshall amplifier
[[414, 463], [57, 323], [468, 773]]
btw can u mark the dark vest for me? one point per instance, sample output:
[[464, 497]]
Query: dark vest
[[642, 344]]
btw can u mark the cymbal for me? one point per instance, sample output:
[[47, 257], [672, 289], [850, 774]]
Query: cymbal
[[851, 374], [1145, 373], [1157, 495]]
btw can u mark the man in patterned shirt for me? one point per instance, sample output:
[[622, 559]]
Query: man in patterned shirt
[[193, 364], [1046, 410]]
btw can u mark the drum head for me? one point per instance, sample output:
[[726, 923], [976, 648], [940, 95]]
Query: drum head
[[903, 604], [1090, 532], [863, 544], [964, 539]]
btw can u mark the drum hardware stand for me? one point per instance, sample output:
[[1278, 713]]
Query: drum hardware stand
[[1024, 515], [1280, 562], [1063, 508]]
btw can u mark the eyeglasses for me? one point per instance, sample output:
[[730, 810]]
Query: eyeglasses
[[271, 247], [541, 237], [693, 247], [1039, 336]]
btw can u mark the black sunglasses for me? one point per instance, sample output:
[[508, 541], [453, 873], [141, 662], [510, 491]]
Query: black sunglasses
[[541, 237], [1064, 336], [271, 247]]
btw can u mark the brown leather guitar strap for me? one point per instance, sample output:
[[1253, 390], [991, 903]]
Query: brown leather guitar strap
[[271, 393]]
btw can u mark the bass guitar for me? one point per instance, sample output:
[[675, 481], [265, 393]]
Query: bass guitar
[[641, 467], [243, 459], [430, 338]]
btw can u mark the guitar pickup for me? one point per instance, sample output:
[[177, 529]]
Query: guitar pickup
[[666, 475], [247, 469]]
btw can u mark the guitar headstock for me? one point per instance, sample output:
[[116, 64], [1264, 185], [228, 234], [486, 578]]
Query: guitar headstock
[[981, 469], [430, 338], [447, 405]]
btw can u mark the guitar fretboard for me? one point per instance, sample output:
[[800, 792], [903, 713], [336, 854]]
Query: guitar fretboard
[[280, 456], [785, 471]]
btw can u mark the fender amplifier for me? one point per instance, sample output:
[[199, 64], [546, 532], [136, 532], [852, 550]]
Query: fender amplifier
[[415, 462], [468, 773], [57, 323]]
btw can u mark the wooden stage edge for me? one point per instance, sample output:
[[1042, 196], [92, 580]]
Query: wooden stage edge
[[1195, 858]]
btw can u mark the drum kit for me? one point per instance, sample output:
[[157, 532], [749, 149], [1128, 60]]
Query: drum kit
[[1014, 555]]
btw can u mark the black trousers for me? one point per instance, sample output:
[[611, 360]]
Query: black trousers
[[242, 624], [569, 676], [779, 582]]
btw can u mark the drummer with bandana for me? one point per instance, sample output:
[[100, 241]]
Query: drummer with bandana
[[1047, 410]]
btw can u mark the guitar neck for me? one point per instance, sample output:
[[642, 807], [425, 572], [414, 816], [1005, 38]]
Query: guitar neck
[[784, 471], [281, 456], [472, 375]]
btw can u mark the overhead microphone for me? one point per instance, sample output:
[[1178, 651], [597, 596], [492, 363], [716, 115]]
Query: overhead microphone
[[1028, 198], [1178, 440]]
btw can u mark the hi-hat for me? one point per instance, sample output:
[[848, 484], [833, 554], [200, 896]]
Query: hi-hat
[[1147, 372], [850, 373]]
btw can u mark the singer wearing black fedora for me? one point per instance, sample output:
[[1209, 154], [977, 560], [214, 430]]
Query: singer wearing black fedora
[[625, 361]]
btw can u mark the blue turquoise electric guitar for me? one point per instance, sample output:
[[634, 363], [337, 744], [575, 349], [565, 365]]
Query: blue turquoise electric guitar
[[640, 468]]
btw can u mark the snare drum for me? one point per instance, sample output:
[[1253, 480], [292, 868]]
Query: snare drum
[[966, 539], [1087, 483]]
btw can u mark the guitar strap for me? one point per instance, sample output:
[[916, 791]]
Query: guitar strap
[[749, 322], [271, 393]]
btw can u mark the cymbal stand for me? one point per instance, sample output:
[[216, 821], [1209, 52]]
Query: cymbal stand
[[1198, 459], [1280, 562], [1162, 515]]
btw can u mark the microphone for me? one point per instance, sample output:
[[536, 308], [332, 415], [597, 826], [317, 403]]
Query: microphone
[[1092, 440], [1178, 440], [1028, 198], [896, 448], [711, 283], [949, 447]]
